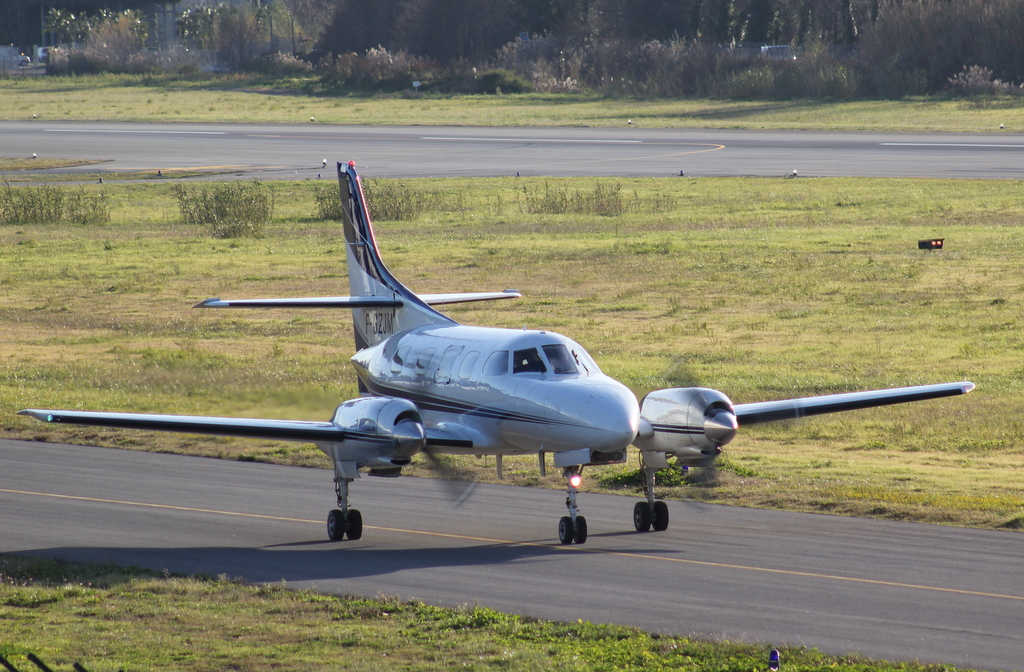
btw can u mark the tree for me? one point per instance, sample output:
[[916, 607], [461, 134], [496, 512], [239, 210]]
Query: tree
[[449, 30]]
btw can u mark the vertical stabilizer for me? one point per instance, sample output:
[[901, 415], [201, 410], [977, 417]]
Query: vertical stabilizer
[[369, 277]]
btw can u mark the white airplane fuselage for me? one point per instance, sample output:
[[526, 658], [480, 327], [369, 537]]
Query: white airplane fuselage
[[513, 391]]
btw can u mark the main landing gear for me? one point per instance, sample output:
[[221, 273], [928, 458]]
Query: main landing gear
[[653, 512], [572, 528], [343, 521]]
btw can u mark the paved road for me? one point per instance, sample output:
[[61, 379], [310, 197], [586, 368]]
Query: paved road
[[890, 590], [290, 151]]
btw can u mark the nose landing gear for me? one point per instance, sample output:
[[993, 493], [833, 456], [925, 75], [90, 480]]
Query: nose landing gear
[[572, 528]]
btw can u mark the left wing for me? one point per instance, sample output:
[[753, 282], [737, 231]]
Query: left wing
[[788, 409]]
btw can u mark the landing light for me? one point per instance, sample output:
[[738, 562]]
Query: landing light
[[575, 480]]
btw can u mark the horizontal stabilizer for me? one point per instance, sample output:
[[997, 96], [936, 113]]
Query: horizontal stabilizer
[[442, 299], [312, 302], [356, 301], [789, 409]]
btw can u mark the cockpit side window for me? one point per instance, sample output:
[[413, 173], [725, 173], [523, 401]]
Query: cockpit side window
[[528, 361], [496, 364], [559, 358]]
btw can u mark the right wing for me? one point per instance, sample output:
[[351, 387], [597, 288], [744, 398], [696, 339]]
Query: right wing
[[252, 428], [304, 431]]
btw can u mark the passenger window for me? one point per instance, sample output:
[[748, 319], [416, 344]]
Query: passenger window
[[559, 358], [398, 361], [466, 370], [497, 363], [423, 361], [444, 368], [528, 361]]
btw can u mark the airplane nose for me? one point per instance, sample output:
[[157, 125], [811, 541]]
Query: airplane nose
[[613, 415]]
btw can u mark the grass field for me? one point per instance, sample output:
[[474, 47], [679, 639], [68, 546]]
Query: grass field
[[762, 288], [254, 100], [110, 618]]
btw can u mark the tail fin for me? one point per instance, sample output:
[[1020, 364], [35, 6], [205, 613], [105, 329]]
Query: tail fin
[[369, 277]]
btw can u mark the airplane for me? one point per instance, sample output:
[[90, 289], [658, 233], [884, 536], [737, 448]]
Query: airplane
[[433, 386]]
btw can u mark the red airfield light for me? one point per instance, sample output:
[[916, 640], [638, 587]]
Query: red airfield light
[[352, 164]]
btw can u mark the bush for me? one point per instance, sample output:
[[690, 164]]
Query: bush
[[502, 81], [393, 200], [52, 205], [328, 204], [230, 210]]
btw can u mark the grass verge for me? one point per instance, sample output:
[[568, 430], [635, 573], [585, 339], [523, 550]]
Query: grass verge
[[763, 288], [110, 618], [234, 98]]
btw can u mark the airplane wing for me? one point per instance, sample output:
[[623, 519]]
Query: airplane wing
[[788, 409], [355, 301], [251, 428], [284, 430]]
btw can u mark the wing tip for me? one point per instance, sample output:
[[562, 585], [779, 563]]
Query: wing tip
[[208, 303]]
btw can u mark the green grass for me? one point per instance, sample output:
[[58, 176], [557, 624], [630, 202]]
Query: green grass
[[242, 99], [110, 618], [762, 288]]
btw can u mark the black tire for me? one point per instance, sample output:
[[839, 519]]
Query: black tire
[[642, 517], [580, 535], [565, 531], [659, 516], [354, 524], [336, 525]]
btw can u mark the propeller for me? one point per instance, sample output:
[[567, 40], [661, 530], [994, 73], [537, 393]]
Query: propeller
[[457, 481]]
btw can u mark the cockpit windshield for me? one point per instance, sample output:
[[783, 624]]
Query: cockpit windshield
[[561, 361], [528, 361]]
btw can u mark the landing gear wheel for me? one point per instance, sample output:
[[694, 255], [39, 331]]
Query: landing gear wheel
[[565, 531], [580, 535], [659, 516], [336, 525], [354, 524], [642, 517]]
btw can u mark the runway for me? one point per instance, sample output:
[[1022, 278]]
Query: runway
[[298, 151], [889, 590]]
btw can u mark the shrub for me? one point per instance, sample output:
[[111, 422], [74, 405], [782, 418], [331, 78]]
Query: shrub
[[328, 204], [393, 200], [230, 210], [52, 205], [501, 81]]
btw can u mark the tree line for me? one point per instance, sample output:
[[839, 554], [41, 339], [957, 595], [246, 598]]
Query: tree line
[[832, 48]]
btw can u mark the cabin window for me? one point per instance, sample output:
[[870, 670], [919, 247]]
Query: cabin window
[[423, 361], [560, 359], [466, 370], [444, 367], [398, 361], [528, 361], [496, 364]]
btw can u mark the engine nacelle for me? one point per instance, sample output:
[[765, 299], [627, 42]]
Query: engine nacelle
[[692, 423], [380, 432]]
